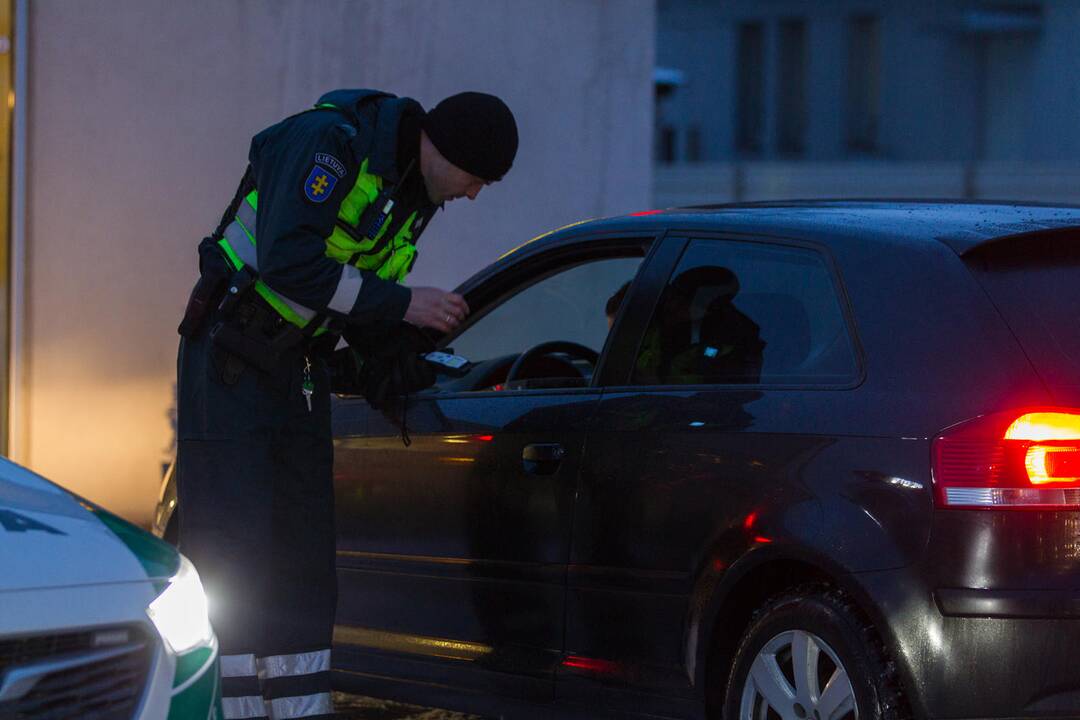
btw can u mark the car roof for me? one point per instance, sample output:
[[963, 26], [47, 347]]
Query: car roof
[[962, 226]]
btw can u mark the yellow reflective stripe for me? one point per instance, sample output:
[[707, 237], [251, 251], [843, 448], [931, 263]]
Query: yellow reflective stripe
[[406, 229], [341, 245], [293, 312], [239, 245], [363, 193], [235, 261], [397, 266], [240, 253], [278, 304]]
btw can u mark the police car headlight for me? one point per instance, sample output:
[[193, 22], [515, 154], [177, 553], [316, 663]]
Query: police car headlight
[[180, 612]]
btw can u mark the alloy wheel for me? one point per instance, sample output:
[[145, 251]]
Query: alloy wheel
[[797, 676]]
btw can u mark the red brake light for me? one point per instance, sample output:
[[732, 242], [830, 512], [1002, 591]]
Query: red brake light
[[1017, 459]]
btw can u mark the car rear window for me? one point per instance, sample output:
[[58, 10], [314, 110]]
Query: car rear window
[[747, 313], [1035, 282]]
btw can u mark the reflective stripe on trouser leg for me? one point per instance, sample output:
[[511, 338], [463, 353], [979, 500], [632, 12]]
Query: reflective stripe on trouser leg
[[297, 685], [241, 696], [295, 665], [319, 706]]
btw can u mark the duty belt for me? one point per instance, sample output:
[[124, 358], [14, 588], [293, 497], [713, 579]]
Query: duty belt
[[253, 332]]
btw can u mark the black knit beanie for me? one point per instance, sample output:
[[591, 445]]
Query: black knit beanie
[[474, 131]]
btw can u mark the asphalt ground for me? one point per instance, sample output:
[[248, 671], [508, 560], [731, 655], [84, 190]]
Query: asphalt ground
[[355, 707]]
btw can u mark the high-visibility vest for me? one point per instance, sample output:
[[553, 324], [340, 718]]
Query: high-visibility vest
[[390, 257]]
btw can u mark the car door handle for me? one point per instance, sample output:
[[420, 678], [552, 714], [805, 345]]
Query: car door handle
[[542, 458]]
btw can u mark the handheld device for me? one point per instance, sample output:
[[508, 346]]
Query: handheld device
[[449, 364]]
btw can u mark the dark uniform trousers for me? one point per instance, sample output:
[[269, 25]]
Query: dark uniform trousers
[[255, 490]]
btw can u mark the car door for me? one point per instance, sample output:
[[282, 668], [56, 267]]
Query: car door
[[452, 549], [702, 434]]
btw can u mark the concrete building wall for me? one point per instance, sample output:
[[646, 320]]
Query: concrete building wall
[[140, 114]]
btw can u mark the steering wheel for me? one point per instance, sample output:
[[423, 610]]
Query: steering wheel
[[573, 349]]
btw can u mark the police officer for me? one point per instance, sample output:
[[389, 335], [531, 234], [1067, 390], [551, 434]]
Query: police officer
[[316, 242]]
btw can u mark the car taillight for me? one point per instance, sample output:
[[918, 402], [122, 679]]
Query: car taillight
[[1024, 459]]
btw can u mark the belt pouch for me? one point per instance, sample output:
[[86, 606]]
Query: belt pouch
[[242, 343]]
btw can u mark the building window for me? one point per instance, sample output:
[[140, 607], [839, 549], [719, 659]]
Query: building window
[[791, 88], [750, 81], [693, 144], [665, 145], [864, 83]]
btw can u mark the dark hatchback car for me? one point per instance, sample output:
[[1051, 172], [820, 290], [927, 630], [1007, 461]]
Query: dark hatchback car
[[805, 460]]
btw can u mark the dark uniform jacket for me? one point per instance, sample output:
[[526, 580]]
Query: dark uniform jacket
[[292, 227]]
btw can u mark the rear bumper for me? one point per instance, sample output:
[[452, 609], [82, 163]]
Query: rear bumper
[[975, 653], [1032, 604]]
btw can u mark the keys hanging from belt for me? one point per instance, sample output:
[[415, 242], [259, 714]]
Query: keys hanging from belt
[[307, 387]]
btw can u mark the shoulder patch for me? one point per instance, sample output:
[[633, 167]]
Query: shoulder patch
[[319, 184], [331, 162]]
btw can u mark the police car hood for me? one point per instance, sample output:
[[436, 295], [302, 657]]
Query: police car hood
[[50, 538]]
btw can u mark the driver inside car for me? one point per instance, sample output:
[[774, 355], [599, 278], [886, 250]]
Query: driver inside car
[[688, 344]]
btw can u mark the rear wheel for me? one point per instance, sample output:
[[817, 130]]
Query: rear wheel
[[809, 655]]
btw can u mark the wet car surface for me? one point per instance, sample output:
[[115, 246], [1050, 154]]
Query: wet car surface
[[764, 460]]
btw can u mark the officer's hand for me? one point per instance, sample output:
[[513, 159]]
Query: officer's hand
[[436, 309]]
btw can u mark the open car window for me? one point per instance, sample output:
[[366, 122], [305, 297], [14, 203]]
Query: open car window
[[563, 318]]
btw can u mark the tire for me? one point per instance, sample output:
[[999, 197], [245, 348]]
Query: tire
[[812, 622]]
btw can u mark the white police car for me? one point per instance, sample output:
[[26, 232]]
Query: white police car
[[98, 619]]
